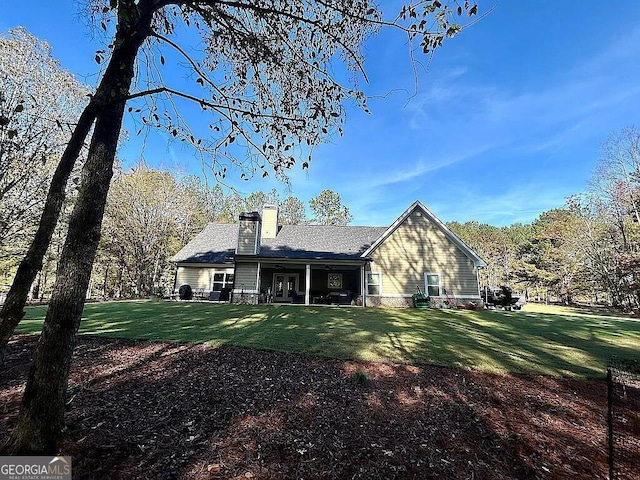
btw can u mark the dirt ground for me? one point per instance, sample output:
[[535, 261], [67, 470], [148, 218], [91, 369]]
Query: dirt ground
[[164, 410]]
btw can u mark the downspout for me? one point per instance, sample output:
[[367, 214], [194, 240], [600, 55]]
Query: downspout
[[363, 282]]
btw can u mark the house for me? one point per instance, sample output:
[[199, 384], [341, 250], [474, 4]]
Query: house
[[259, 260]]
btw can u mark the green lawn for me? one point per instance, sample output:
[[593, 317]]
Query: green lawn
[[548, 340]]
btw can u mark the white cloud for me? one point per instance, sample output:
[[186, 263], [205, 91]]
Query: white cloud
[[464, 120], [515, 203]]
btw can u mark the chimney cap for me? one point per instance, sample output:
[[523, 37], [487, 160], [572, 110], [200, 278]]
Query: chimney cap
[[250, 216]]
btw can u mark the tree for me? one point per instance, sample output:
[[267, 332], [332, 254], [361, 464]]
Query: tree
[[591, 239], [34, 127], [140, 225], [609, 221], [617, 176], [291, 211], [199, 205], [492, 244], [257, 200], [39, 102], [327, 209], [265, 77], [554, 257], [234, 205]]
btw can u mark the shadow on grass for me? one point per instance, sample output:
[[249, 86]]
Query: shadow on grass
[[568, 344]]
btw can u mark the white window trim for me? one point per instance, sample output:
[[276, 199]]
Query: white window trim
[[426, 284], [226, 272], [379, 294]]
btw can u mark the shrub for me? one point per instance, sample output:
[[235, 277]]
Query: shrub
[[360, 378], [159, 291]]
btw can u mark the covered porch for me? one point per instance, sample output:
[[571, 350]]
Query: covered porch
[[311, 282]]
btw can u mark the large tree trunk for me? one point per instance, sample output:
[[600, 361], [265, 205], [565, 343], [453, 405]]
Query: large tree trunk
[[13, 308], [41, 415], [41, 419]]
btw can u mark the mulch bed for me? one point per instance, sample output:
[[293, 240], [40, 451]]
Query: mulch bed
[[166, 410]]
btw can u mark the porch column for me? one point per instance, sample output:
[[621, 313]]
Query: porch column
[[307, 284], [258, 284], [363, 285]]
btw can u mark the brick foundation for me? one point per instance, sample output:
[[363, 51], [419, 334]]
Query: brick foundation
[[407, 302]]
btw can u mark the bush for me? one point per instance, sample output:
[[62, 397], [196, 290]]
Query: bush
[[185, 292], [360, 378]]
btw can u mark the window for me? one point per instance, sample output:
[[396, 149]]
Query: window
[[222, 280], [432, 281], [373, 283], [334, 280]]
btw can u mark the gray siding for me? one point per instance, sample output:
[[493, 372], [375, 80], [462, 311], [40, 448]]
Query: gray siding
[[248, 232], [246, 276]]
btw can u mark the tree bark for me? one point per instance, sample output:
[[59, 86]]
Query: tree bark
[[118, 290], [41, 419], [13, 308], [44, 286], [106, 279]]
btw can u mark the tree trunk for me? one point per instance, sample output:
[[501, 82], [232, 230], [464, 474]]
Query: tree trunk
[[13, 308], [41, 414], [41, 419], [44, 285], [104, 283], [118, 293], [138, 291], [35, 291], [155, 278]]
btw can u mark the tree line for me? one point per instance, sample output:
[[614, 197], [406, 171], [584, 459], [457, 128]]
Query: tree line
[[152, 213], [588, 250]]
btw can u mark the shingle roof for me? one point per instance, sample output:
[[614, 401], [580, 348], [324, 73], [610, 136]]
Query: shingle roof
[[320, 241], [217, 243]]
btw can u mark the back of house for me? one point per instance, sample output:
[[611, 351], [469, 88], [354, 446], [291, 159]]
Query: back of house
[[258, 260]]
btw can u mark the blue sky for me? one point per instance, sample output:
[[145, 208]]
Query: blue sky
[[507, 121]]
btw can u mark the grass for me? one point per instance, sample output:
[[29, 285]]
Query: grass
[[539, 339]]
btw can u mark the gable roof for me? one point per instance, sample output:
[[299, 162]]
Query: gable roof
[[417, 205], [218, 241]]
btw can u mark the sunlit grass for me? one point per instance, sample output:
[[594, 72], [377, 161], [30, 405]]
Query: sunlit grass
[[539, 339]]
